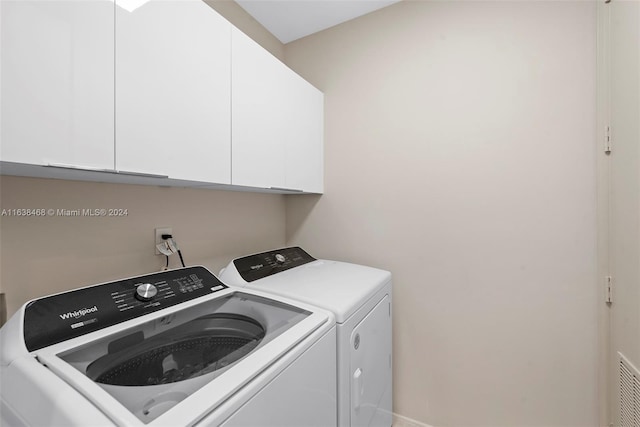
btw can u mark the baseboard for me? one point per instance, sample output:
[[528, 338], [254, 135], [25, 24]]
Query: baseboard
[[400, 421]]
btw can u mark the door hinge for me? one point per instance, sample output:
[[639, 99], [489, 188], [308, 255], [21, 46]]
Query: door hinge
[[607, 140], [608, 289]]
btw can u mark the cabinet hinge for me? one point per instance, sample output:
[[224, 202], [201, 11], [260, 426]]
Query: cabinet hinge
[[607, 140], [608, 289]]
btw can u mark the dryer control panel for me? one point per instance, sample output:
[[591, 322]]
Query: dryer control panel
[[258, 266], [60, 317]]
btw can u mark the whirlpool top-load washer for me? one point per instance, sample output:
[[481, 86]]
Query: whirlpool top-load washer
[[360, 298], [176, 348]]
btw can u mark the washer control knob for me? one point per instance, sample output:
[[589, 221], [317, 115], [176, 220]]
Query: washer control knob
[[146, 292], [280, 258]]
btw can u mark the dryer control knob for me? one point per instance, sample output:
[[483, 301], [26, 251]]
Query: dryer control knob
[[280, 258], [146, 292]]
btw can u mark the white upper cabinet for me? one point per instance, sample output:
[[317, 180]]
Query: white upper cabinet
[[148, 89], [57, 83], [277, 122], [304, 130], [172, 92]]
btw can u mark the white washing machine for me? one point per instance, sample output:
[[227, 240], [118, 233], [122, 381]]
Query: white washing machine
[[360, 298], [176, 348]]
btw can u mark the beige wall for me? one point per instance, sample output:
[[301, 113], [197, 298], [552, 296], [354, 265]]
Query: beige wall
[[43, 255], [624, 175], [460, 152], [603, 190]]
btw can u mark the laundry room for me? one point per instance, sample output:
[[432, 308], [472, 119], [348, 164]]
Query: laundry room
[[484, 153]]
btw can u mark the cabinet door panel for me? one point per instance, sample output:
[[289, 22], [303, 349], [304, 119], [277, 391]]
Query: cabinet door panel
[[259, 115], [57, 82], [173, 91], [304, 135], [277, 122]]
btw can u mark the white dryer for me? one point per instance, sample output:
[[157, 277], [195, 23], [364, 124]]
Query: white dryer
[[176, 348], [360, 298]]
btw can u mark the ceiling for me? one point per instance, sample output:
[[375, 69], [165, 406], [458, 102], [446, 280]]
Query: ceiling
[[290, 20]]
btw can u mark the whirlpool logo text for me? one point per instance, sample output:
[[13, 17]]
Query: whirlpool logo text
[[79, 313]]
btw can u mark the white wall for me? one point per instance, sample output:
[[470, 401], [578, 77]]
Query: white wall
[[460, 152]]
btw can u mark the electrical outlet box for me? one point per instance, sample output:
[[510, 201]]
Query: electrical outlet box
[[159, 233]]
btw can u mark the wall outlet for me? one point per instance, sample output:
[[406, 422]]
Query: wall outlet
[[159, 233]]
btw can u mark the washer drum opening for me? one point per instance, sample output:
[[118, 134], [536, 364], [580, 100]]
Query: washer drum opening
[[195, 348]]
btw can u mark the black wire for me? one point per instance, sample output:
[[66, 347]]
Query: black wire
[[168, 236]]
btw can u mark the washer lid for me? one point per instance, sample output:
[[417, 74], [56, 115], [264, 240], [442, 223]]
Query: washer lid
[[191, 360], [336, 286], [153, 366]]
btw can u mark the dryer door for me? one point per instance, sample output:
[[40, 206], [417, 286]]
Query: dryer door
[[370, 363]]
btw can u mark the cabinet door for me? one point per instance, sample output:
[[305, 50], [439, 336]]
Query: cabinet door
[[303, 135], [259, 114], [173, 87], [57, 82], [277, 122]]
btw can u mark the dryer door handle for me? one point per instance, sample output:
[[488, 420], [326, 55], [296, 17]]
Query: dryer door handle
[[357, 388]]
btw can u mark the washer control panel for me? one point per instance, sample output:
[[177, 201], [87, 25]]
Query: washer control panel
[[60, 317], [258, 266]]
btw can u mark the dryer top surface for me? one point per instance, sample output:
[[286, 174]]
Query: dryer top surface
[[335, 286]]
